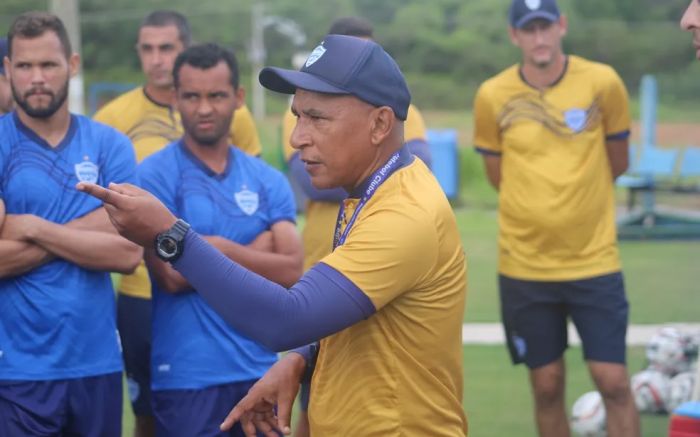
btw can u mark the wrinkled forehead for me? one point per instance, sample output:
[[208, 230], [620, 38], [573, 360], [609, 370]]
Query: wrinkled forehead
[[305, 99], [159, 35]]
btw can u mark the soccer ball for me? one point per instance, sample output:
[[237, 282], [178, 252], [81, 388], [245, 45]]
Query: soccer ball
[[669, 351], [650, 389], [680, 390], [588, 415]]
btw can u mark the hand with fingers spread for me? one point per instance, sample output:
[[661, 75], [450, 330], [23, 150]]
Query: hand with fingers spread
[[277, 389], [136, 214]]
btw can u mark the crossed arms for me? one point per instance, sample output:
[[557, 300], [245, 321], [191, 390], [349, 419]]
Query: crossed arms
[[28, 241]]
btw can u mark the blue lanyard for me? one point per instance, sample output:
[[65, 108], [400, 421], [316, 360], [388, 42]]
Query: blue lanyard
[[397, 161]]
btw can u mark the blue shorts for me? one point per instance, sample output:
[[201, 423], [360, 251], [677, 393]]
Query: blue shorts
[[85, 407], [535, 314], [134, 324], [186, 413]]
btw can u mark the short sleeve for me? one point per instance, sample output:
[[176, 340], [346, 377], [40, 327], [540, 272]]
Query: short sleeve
[[487, 137], [244, 133], [614, 103], [289, 121], [120, 165], [414, 126], [282, 206], [389, 253], [152, 178]]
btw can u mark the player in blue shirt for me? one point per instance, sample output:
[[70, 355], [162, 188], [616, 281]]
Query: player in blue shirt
[[60, 363], [199, 364]]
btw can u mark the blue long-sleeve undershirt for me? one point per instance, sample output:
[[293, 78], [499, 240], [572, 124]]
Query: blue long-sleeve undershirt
[[321, 303]]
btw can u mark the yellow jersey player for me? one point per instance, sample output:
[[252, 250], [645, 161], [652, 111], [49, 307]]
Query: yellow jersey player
[[322, 205], [387, 304], [553, 132], [147, 116]]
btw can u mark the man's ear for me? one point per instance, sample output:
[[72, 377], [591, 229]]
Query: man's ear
[[381, 124], [74, 64], [240, 97]]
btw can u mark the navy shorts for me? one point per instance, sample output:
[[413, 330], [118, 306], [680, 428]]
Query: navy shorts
[[134, 324], [84, 407], [186, 413], [535, 315]]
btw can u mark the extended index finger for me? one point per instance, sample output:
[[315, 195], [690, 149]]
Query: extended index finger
[[104, 194]]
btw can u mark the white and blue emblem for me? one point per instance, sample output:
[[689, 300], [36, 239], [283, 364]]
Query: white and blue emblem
[[247, 200], [520, 345], [87, 171], [575, 119], [315, 55], [533, 5]]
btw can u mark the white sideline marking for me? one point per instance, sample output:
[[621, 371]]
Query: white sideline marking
[[492, 333]]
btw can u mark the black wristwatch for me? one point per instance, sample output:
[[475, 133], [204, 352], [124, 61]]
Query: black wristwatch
[[171, 243]]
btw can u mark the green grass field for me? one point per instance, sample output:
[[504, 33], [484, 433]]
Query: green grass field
[[660, 278]]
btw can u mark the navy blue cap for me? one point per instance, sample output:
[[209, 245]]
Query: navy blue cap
[[3, 53], [522, 12], [346, 65]]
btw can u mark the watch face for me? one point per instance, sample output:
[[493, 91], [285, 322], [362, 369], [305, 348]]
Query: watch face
[[167, 246]]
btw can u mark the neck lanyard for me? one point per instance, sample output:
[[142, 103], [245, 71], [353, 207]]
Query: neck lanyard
[[397, 160]]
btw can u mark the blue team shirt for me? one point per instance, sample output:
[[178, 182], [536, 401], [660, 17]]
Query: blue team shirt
[[192, 347], [58, 320]]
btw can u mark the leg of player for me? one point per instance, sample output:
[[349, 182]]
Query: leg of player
[[613, 383], [548, 384]]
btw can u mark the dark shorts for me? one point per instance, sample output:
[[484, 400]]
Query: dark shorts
[[186, 413], [535, 315], [304, 396], [81, 407], [134, 324]]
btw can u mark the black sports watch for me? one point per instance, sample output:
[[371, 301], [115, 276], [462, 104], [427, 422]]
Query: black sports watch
[[171, 243]]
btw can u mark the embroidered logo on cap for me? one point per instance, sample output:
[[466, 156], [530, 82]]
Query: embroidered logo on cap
[[533, 4], [315, 55]]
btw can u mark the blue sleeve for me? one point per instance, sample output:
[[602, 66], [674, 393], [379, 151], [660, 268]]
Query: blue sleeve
[[420, 148], [299, 173], [321, 303], [151, 177], [280, 197], [120, 163]]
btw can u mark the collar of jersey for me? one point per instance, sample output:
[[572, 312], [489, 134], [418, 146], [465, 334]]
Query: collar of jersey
[[551, 85], [42, 142], [405, 158], [205, 168]]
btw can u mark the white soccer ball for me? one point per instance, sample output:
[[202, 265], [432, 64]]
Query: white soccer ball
[[588, 415], [680, 390], [650, 389], [669, 351]]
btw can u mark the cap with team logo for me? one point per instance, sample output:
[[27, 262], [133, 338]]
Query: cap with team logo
[[346, 65], [521, 12]]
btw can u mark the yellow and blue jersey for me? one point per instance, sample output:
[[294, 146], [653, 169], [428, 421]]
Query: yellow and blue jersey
[[58, 320], [556, 202], [403, 364], [238, 204], [317, 234], [151, 126]]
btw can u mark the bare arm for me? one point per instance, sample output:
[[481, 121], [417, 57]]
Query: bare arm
[[284, 265], [19, 257], [91, 242], [492, 163], [618, 155]]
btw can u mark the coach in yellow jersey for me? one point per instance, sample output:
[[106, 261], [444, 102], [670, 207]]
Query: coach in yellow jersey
[[553, 131], [148, 117], [387, 304], [322, 205]]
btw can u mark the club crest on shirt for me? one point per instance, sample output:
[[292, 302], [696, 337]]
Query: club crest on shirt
[[87, 171], [247, 200], [575, 119], [315, 55]]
